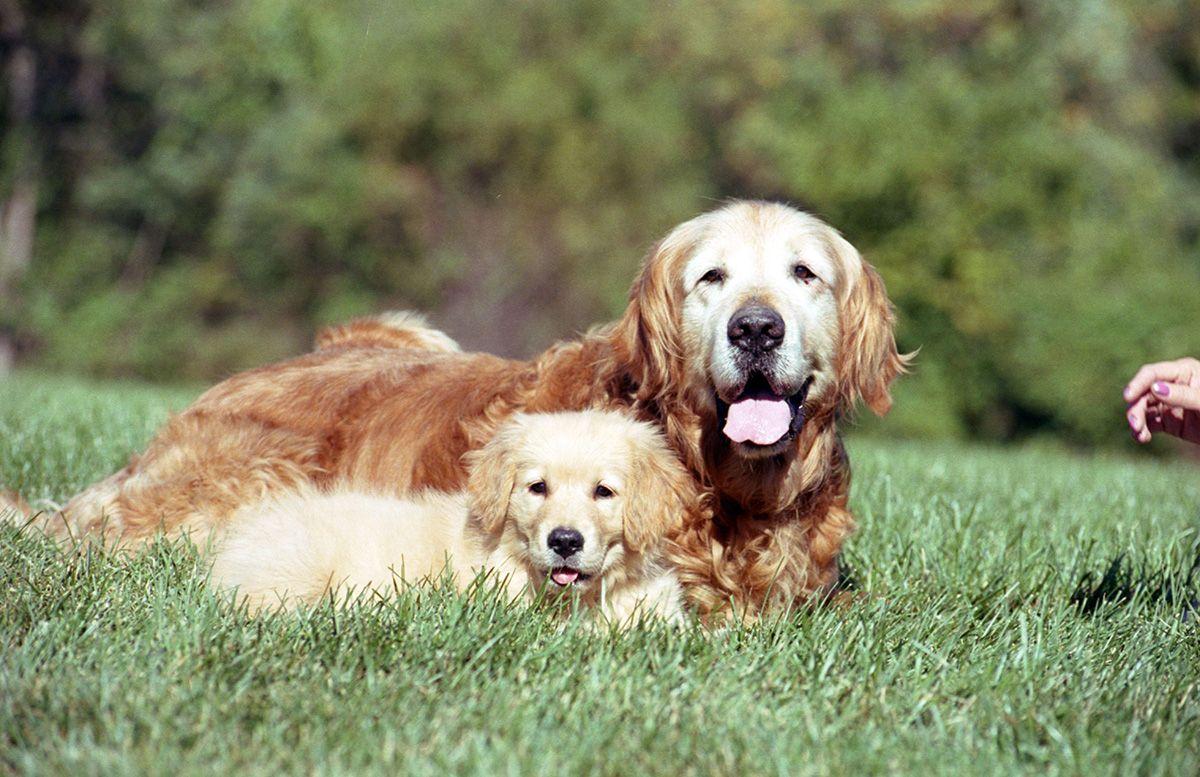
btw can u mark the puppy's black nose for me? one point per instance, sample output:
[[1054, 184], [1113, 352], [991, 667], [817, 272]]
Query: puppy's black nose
[[564, 541], [755, 328]]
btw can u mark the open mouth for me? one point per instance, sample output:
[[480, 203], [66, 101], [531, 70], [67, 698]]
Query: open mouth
[[564, 577], [759, 417]]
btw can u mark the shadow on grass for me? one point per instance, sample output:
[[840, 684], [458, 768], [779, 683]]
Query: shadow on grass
[[847, 580], [1124, 581]]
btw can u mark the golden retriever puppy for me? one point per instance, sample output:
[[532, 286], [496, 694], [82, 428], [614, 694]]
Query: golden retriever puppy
[[569, 502], [750, 332]]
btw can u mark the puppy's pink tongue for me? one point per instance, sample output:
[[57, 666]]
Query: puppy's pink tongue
[[564, 576], [761, 421]]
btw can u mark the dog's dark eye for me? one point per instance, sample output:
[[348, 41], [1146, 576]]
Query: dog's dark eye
[[603, 492], [802, 272], [538, 488], [715, 275]]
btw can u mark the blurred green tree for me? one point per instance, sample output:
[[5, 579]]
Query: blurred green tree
[[215, 180]]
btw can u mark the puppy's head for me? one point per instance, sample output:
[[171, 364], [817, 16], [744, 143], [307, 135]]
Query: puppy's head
[[576, 497]]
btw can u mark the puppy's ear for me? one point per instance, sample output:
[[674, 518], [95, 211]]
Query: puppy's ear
[[867, 360], [492, 474], [658, 492], [647, 337]]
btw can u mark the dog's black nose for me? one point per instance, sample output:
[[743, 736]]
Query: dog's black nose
[[564, 541], [755, 328]]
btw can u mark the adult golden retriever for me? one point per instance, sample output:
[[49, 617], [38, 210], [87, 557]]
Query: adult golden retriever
[[750, 330]]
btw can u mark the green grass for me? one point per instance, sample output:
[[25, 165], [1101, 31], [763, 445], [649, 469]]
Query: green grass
[[966, 654]]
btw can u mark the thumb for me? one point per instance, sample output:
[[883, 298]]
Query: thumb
[[1177, 395]]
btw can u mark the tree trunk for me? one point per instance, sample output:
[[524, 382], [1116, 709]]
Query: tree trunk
[[18, 211]]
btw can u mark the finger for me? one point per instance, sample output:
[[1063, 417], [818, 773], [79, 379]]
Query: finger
[[1156, 406], [1156, 420], [1135, 414], [1137, 430], [1158, 371], [1169, 420], [1170, 424], [1178, 395]]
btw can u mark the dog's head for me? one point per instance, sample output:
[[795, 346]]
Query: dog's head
[[755, 314], [576, 497]]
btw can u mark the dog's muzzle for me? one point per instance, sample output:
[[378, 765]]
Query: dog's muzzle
[[760, 418], [566, 544], [766, 411], [755, 330]]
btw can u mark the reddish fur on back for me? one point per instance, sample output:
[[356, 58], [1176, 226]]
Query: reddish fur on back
[[398, 329], [377, 418]]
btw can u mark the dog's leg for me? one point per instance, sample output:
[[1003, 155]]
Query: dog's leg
[[657, 596], [192, 477]]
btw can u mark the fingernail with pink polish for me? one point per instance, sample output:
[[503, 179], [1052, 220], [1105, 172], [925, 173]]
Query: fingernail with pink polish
[[1133, 424], [1162, 389]]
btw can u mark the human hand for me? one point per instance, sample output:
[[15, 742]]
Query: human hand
[[1165, 397]]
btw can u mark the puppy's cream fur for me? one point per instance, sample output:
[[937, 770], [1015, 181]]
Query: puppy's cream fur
[[300, 545], [612, 479]]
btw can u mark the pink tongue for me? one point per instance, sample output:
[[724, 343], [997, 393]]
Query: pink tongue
[[761, 421], [564, 576]]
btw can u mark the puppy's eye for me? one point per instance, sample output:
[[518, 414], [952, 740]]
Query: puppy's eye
[[802, 273], [603, 492], [715, 275], [538, 488]]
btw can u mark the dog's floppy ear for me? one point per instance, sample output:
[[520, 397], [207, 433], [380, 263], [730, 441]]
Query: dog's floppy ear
[[867, 360], [647, 337], [658, 492], [492, 476]]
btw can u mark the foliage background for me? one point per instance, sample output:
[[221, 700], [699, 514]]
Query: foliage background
[[191, 188]]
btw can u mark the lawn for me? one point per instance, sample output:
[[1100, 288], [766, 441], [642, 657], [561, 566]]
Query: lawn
[[965, 653]]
